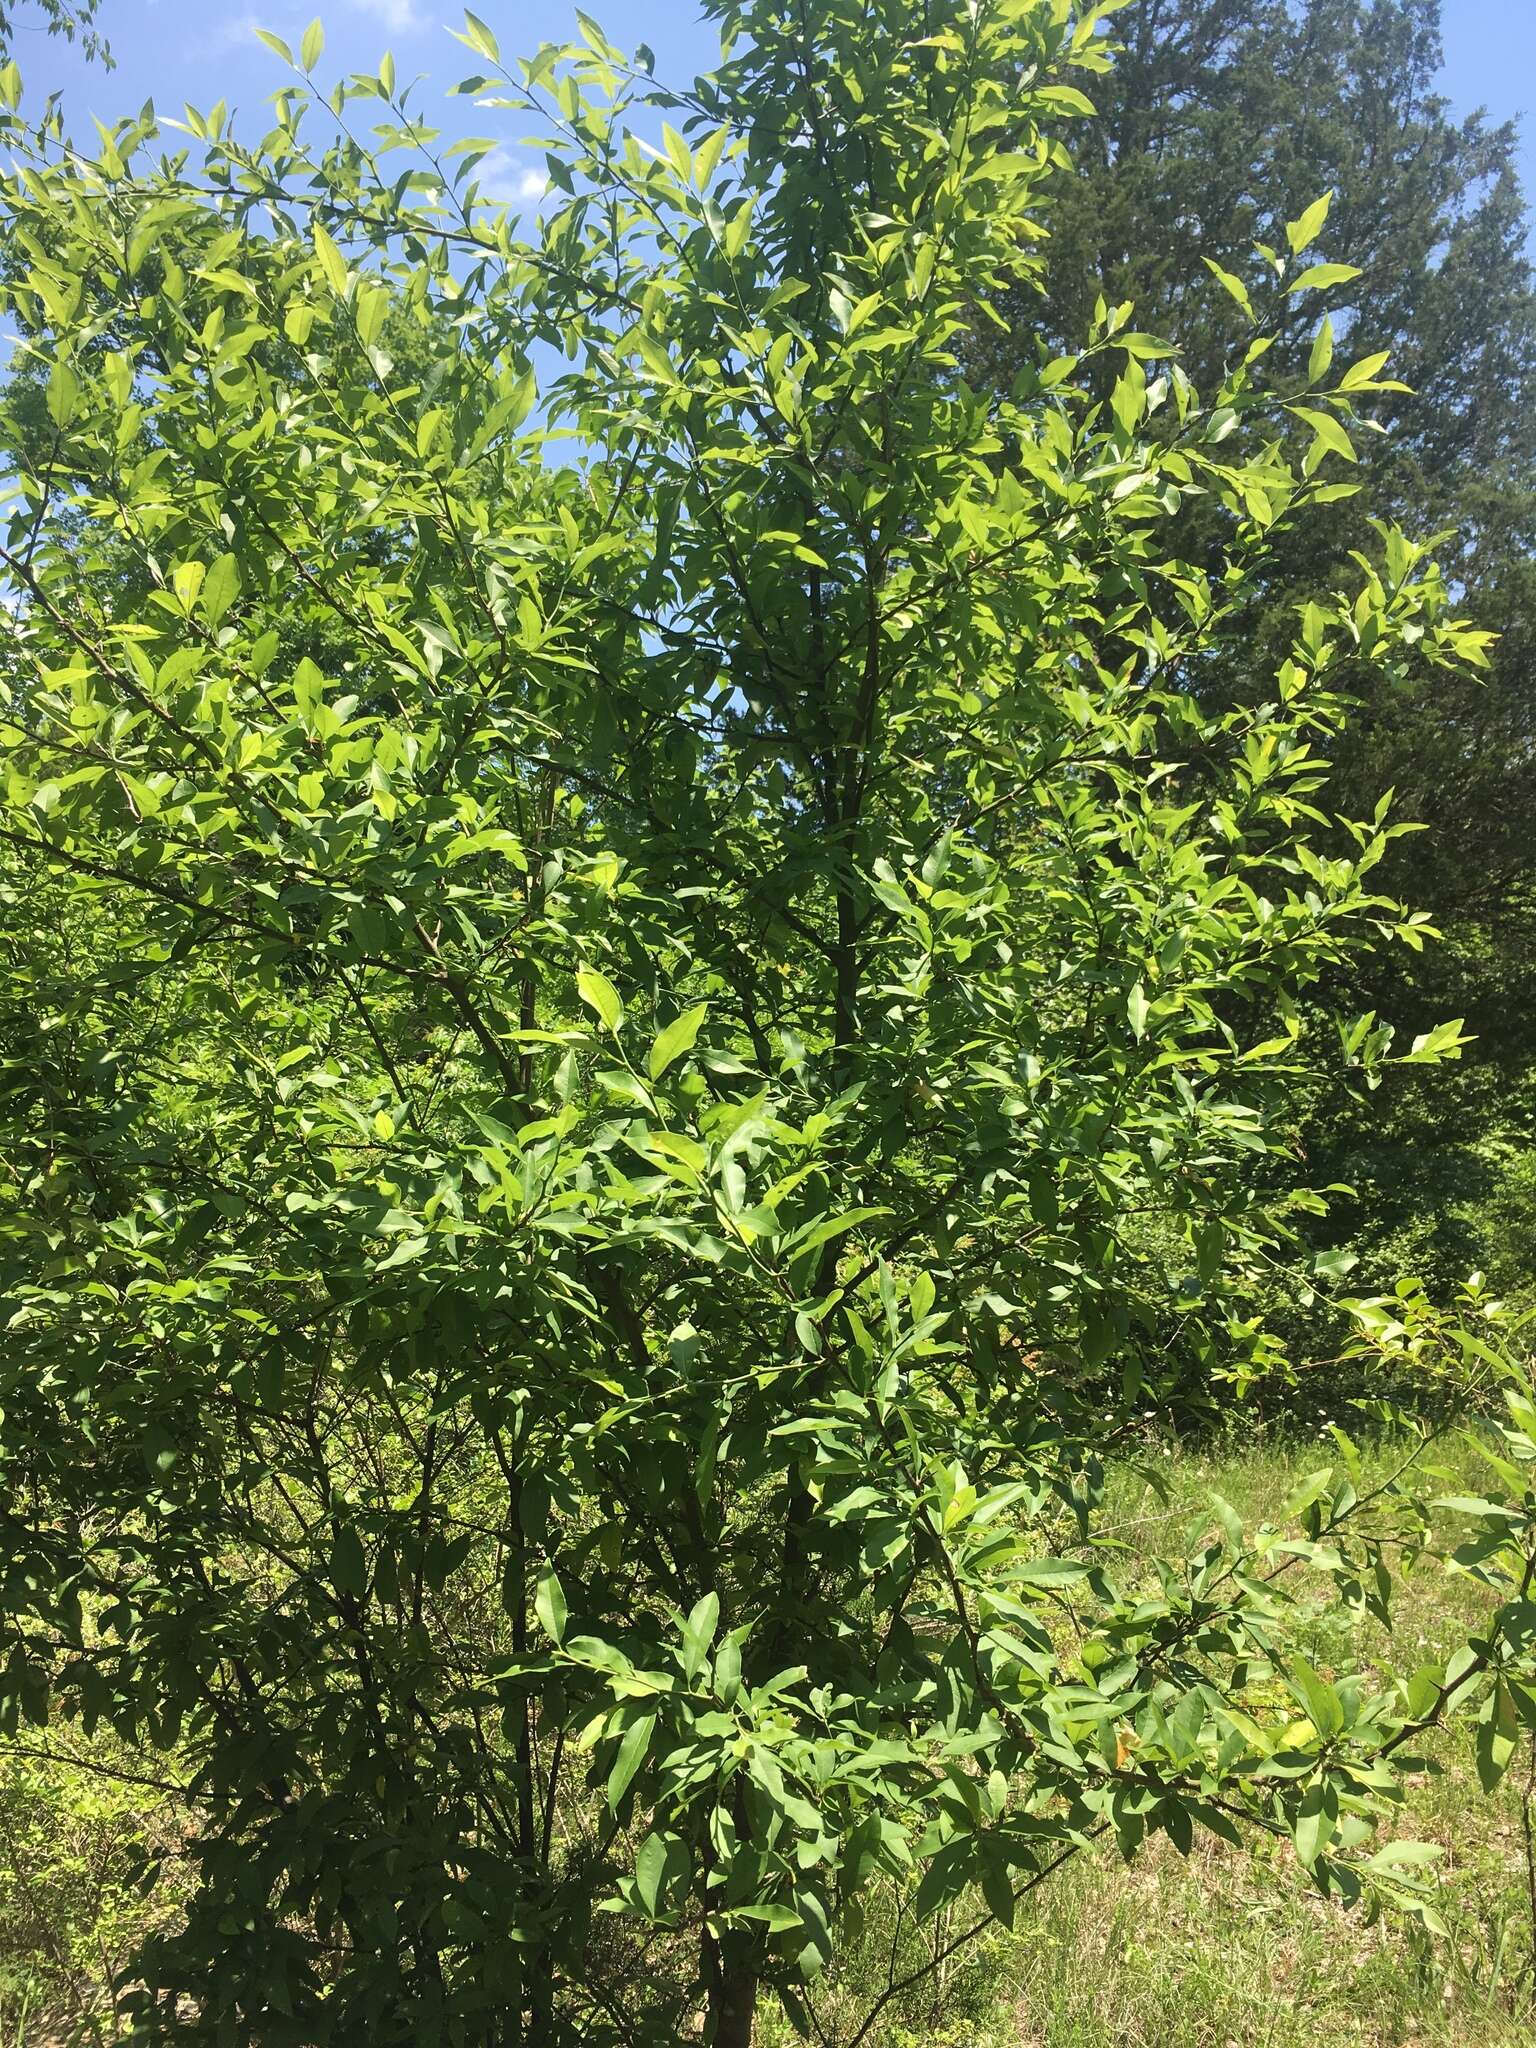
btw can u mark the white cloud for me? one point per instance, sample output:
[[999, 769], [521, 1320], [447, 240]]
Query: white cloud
[[503, 179], [238, 34], [395, 17], [400, 17]]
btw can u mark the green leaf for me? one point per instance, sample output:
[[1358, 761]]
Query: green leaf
[[699, 1633], [815, 1235], [1423, 1690], [660, 1868], [1128, 400], [549, 1605], [1335, 1263], [520, 399], [776, 1919], [1322, 352], [1303, 232], [708, 157], [1321, 275], [1362, 375], [1233, 286], [1050, 1571], [650, 1868], [1328, 435], [349, 1565], [275, 43], [479, 38], [160, 1452], [1444, 1042], [599, 995], [676, 1039], [1494, 1748], [332, 263], [1067, 97], [1316, 1819], [370, 312], [997, 1890], [220, 589], [63, 394], [312, 47], [655, 357], [632, 1754], [727, 1672], [1413, 1854], [1323, 1706], [1136, 1010], [678, 152], [1231, 1521], [308, 688], [1502, 1713]]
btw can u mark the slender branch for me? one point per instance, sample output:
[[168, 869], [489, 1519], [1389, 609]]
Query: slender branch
[[1020, 1891]]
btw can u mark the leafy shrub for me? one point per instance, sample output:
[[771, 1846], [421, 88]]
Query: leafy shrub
[[595, 1174]]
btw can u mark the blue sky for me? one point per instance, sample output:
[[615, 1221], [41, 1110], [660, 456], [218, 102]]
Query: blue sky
[[202, 50], [1490, 61], [199, 51]]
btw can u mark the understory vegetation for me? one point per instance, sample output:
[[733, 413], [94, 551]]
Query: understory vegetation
[[1217, 1947]]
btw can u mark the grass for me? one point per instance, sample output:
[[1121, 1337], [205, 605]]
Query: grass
[[1232, 1949], [1227, 1949]]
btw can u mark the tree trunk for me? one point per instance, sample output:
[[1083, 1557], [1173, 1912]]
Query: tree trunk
[[732, 1992], [731, 2009]]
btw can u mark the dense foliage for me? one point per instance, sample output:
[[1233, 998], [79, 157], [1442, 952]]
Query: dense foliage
[[1220, 121], [642, 1003]]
